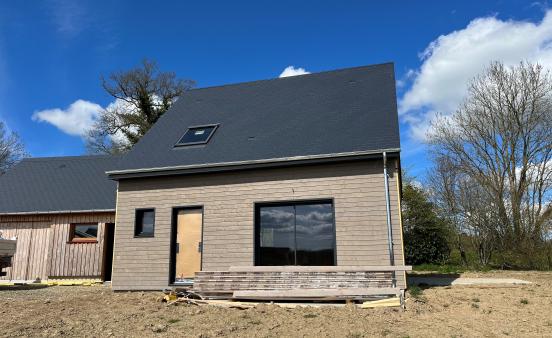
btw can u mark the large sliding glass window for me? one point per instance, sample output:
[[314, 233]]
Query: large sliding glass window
[[295, 234]]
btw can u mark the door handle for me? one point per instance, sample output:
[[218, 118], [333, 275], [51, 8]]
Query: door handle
[[200, 247]]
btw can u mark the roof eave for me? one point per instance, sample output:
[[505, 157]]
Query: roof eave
[[253, 164], [49, 212]]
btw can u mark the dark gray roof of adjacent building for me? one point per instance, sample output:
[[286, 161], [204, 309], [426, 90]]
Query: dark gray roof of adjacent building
[[328, 114], [58, 184]]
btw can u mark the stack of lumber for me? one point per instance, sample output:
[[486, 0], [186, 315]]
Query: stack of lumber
[[299, 282]]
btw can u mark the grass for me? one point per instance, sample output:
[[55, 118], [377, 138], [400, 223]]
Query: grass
[[524, 301], [475, 300], [449, 268], [454, 265], [174, 320], [310, 315], [475, 305], [415, 291], [445, 269]]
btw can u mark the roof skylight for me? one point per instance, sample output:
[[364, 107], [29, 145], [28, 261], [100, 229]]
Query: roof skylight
[[197, 135]]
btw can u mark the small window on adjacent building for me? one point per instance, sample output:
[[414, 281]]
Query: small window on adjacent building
[[197, 135], [145, 223], [83, 232]]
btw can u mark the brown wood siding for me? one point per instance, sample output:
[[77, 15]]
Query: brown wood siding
[[42, 248], [31, 256], [228, 200]]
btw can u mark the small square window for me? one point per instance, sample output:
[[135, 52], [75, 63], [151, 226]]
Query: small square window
[[145, 223], [197, 135], [83, 233]]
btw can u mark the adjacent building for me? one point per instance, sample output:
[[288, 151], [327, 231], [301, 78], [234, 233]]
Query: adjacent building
[[62, 211]]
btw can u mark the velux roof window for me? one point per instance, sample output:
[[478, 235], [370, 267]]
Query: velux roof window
[[197, 135]]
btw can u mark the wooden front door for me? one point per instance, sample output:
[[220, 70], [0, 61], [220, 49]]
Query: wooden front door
[[188, 243]]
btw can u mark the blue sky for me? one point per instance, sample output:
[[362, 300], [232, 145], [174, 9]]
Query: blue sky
[[52, 53]]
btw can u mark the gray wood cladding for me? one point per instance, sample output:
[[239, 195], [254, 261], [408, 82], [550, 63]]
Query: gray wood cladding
[[43, 250], [228, 199]]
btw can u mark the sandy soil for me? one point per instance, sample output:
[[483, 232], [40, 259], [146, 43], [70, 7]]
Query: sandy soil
[[438, 312]]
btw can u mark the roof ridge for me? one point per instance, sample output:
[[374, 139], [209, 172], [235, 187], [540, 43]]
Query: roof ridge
[[71, 157], [291, 77]]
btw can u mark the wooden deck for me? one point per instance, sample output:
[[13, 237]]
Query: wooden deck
[[300, 282]]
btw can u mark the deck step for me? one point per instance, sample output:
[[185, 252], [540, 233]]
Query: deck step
[[296, 268], [318, 294]]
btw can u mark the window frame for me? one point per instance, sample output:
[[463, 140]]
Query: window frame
[[215, 126], [257, 224], [75, 240], [136, 213]]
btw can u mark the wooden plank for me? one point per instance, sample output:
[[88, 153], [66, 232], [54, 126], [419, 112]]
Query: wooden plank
[[310, 275], [231, 281], [285, 279], [188, 237], [387, 302], [313, 293], [293, 268]]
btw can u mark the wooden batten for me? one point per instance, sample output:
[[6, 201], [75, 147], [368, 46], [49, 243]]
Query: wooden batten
[[292, 268]]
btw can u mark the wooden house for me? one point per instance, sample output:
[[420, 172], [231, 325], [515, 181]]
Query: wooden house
[[293, 175], [62, 212]]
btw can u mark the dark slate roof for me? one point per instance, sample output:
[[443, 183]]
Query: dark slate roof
[[342, 111], [54, 184]]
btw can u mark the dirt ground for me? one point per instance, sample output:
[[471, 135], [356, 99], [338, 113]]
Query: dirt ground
[[438, 312]]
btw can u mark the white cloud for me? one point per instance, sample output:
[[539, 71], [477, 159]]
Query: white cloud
[[292, 71], [452, 60], [76, 120]]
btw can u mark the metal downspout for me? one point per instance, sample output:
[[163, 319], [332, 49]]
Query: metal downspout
[[388, 209]]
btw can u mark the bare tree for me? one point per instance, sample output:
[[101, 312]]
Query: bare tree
[[141, 95], [12, 149], [444, 191], [500, 142]]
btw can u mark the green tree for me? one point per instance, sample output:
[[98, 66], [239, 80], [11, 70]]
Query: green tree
[[142, 95], [425, 233]]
